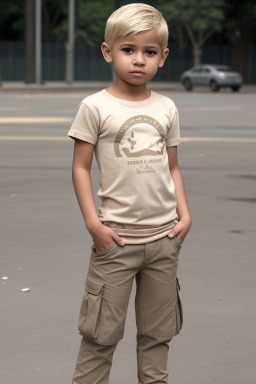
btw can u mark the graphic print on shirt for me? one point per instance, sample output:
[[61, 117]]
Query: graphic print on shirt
[[140, 136]]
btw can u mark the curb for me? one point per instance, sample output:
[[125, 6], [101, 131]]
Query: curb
[[55, 87], [60, 87]]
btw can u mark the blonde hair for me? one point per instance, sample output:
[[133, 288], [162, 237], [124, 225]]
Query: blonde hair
[[134, 18]]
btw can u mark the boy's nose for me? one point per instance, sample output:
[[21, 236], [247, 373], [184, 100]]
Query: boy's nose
[[139, 59]]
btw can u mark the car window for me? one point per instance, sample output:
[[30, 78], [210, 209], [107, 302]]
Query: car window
[[196, 70], [206, 70]]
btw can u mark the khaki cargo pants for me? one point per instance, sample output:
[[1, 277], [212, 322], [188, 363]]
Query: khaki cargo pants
[[104, 306]]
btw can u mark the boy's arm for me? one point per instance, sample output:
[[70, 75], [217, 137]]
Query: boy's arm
[[102, 236], [182, 227]]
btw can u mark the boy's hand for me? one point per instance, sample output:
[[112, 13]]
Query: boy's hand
[[104, 236], [181, 229]]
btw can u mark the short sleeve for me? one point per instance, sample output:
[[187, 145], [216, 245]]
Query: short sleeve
[[173, 134], [84, 126]]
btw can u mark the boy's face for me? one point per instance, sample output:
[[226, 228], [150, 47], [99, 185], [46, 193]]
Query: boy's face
[[136, 57]]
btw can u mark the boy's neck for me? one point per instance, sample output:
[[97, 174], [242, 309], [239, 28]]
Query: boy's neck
[[129, 92]]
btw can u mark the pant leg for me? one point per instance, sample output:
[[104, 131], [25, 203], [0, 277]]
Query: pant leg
[[93, 363], [103, 311], [156, 304]]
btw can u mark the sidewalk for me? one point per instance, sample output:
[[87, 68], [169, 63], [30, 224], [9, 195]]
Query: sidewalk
[[77, 86], [21, 87]]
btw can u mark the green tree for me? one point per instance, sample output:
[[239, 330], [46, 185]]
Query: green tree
[[240, 31], [90, 20], [240, 25], [12, 20], [54, 12], [199, 18]]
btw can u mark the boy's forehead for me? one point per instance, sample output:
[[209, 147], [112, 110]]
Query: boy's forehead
[[148, 38]]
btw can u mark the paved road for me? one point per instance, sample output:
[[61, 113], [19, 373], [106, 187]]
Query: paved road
[[45, 247]]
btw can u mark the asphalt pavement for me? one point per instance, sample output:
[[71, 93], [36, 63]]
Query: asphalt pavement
[[45, 248]]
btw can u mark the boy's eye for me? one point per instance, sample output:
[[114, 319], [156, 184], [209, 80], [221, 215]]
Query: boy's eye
[[127, 50], [151, 53]]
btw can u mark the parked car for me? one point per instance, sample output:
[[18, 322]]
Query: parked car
[[213, 76]]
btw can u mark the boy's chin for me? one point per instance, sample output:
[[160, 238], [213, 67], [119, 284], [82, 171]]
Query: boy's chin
[[138, 82]]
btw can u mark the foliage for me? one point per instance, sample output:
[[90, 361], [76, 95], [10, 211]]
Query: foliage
[[12, 20], [196, 20], [90, 20], [200, 18], [240, 26], [53, 14]]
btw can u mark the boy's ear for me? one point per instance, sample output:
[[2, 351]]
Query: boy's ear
[[164, 55], [106, 52]]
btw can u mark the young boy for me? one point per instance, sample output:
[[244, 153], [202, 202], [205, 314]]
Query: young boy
[[144, 217]]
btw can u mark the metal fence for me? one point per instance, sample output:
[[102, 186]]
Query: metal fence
[[90, 65]]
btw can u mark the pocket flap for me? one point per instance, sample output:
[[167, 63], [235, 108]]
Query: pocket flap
[[93, 285]]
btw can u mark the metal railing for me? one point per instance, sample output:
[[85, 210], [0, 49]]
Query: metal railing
[[90, 66]]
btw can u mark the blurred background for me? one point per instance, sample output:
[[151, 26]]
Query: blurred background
[[43, 36]]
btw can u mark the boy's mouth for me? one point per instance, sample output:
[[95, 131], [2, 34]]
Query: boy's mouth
[[138, 73]]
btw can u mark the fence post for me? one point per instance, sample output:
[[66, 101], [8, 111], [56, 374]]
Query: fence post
[[30, 41], [38, 41], [0, 66], [70, 44]]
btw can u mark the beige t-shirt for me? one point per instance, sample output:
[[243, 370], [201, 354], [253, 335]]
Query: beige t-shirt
[[130, 138]]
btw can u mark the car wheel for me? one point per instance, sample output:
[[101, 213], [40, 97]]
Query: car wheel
[[235, 88], [214, 86], [188, 84]]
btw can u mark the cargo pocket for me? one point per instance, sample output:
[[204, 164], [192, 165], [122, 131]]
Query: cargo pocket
[[89, 319], [179, 311]]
